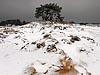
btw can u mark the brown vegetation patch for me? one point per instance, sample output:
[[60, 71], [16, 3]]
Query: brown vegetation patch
[[67, 67], [47, 36], [51, 48], [39, 45], [30, 71], [74, 38], [9, 30]]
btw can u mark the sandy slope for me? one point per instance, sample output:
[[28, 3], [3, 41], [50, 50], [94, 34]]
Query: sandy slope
[[40, 49]]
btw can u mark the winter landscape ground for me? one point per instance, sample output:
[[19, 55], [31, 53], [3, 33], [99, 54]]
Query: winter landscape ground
[[50, 49]]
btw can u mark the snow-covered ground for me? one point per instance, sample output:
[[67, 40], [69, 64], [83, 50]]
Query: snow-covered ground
[[46, 49]]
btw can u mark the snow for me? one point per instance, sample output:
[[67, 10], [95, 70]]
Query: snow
[[19, 50]]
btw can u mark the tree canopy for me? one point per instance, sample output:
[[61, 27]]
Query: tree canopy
[[49, 12]]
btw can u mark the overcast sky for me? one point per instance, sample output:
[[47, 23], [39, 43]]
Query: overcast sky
[[76, 10]]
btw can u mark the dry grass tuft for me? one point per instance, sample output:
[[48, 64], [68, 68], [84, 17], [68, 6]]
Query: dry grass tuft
[[30, 71], [67, 67]]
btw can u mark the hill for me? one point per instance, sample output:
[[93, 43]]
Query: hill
[[49, 49]]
